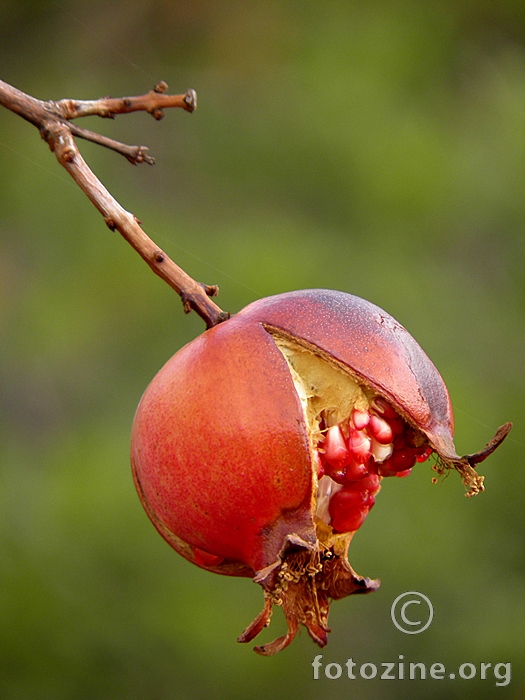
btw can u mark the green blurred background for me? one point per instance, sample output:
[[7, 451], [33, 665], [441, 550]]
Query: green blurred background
[[373, 147]]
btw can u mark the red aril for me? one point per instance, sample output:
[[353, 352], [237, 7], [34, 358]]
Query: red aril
[[335, 450], [380, 430], [360, 419], [346, 516], [246, 455], [356, 471], [359, 445]]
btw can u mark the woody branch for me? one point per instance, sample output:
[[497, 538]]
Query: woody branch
[[53, 120]]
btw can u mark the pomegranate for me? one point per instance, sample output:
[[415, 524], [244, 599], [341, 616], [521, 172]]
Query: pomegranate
[[260, 447]]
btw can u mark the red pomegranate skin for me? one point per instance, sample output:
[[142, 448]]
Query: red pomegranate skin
[[222, 459], [373, 346], [220, 447]]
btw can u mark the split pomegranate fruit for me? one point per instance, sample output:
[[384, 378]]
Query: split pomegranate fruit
[[259, 448]]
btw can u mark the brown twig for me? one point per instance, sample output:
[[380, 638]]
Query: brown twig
[[52, 119], [152, 102], [135, 154]]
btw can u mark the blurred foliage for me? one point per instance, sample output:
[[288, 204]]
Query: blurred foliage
[[374, 147]]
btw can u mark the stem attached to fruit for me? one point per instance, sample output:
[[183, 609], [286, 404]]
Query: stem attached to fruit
[[52, 119], [466, 465]]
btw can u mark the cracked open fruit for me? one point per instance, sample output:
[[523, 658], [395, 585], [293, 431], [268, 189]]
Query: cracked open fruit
[[259, 448]]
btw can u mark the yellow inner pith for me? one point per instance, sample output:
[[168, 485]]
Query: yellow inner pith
[[327, 394], [324, 389]]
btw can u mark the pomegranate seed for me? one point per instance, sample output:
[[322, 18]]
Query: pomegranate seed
[[356, 472], [338, 474], [359, 444], [383, 470], [371, 483], [360, 419], [373, 466], [404, 473], [425, 455], [348, 510], [381, 452], [335, 450], [398, 425], [400, 460], [400, 442], [352, 497], [380, 429], [382, 406], [418, 450]]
